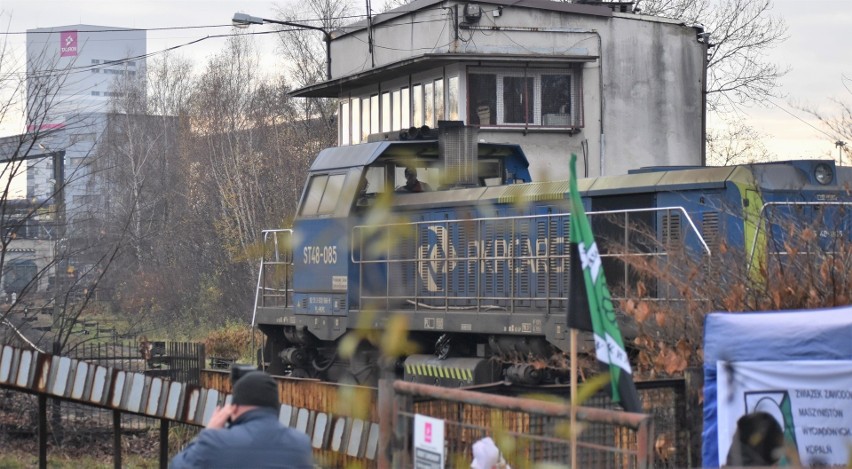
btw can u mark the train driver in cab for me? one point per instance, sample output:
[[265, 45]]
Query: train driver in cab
[[411, 182]]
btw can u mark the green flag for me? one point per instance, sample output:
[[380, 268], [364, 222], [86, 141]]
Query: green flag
[[591, 303]]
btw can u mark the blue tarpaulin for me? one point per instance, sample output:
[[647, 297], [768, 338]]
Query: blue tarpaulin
[[754, 351]]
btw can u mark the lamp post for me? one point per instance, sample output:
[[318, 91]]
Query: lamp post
[[840, 144], [59, 254], [242, 20]]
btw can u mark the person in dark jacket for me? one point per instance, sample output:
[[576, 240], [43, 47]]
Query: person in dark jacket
[[411, 182], [247, 433], [758, 441]]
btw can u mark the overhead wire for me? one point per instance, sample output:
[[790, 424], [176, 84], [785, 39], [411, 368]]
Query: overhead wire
[[170, 28], [801, 120], [89, 67]]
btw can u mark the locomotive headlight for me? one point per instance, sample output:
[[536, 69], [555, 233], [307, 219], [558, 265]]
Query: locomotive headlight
[[823, 174]]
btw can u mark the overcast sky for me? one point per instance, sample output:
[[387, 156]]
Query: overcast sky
[[817, 51]]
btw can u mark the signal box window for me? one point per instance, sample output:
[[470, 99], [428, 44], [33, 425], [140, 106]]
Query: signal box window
[[483, 99], [323, 194], [518, 95], [528, 97]]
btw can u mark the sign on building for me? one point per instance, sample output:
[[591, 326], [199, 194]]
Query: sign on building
[[68, 44]]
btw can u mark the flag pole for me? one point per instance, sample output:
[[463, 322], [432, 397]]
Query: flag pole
[[573, 358]]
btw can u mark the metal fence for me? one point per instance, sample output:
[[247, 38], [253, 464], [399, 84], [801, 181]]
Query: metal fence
[[673, 403], [175, 361], [528, 431]]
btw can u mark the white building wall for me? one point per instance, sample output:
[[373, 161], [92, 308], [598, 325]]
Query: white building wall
[[642, 80], [70, 74], [79, 63]]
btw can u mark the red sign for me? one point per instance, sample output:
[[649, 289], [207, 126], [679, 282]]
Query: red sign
[[428, 433], [68, 44]]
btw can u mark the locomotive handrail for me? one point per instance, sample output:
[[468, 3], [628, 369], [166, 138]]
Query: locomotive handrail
[[760, 216], [521, 217], [282, 255], [481, 295]]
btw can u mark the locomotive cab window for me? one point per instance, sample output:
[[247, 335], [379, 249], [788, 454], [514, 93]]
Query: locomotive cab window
[[323, 194], [370, 183], [490, 173], [413, 178]]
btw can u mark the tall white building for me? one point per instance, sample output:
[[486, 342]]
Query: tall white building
[[71, 72]]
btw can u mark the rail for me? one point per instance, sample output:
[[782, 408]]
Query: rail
[[473, 265], [275, 278], [536, 431], [763, 219], [77, 381]]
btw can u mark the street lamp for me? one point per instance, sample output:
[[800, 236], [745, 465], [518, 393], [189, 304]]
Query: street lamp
[[840, 144], [242, 20]]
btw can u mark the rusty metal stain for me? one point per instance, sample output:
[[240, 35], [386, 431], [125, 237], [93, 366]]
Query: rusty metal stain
[[43, 372]]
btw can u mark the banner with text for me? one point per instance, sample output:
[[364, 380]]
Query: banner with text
[[810, 399]]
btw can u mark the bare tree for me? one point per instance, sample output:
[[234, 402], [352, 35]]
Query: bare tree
[[735, 143], [305, 51], [738, 71], [838, 126]]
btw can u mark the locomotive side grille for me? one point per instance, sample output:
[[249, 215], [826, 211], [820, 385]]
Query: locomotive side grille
[[671, 230], [710, 230], [499, 253], [489, 263], [402, 275], [544, 278], [562, 264], [524, 256], [561, 250], [427, 278]]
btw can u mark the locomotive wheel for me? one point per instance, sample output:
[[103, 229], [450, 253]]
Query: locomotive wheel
[[271, 357]]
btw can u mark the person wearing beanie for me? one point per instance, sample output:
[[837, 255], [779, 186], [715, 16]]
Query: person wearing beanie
[[247, 433]]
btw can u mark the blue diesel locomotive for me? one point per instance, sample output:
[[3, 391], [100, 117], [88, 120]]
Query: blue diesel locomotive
[[476, 259]]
